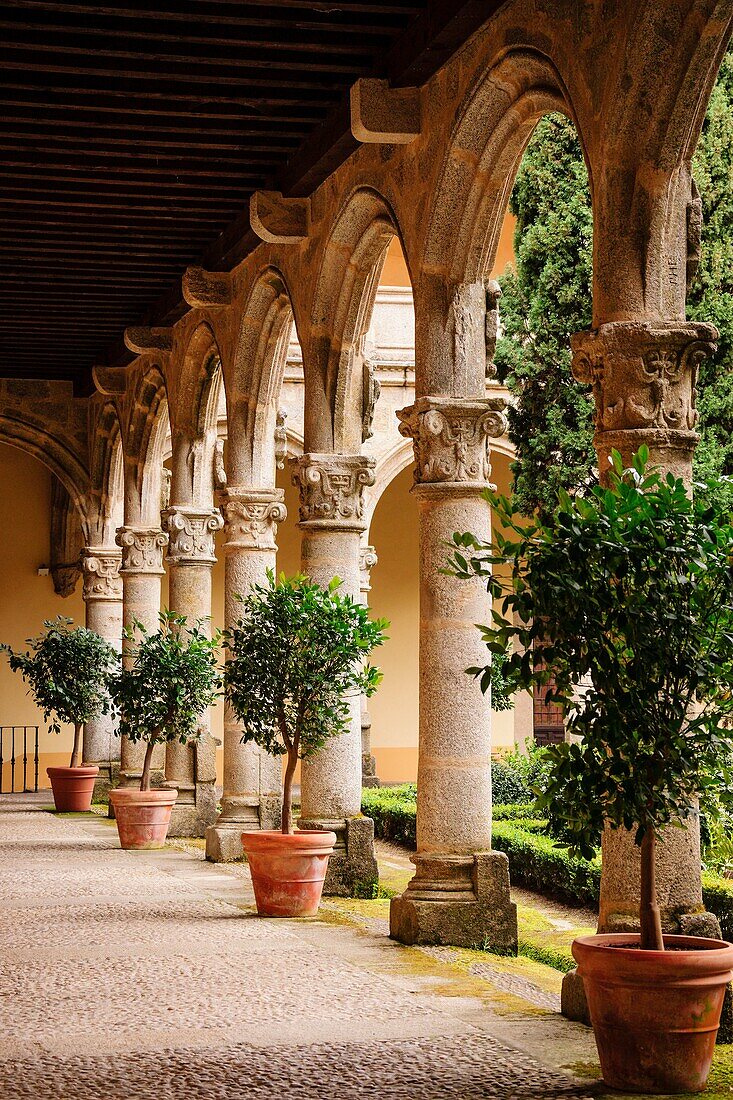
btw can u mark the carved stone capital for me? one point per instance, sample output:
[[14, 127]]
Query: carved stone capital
[[191, 535], [101, 572], [367, 560], [452, 438], [251, 517], [142, 549], [331, 489], [644, 374]]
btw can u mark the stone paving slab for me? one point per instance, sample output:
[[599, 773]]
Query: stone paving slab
[[147, 975]]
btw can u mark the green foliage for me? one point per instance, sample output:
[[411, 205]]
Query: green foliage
[[169, 680], [67, 670], [623, 599], [549, 296], [544, 301], [536, 862], [501, 698], [295, 661], [516, 774], [394, 812]]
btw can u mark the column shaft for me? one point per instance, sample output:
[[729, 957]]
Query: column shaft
[[142, 568], [191, 769], [103, 606], [331, 523], [369, 778], [252, 778], [460, 892]]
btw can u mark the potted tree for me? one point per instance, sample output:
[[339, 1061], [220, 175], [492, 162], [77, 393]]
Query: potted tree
[[67, 670], [168, 681], [294, 658], [622, 599]]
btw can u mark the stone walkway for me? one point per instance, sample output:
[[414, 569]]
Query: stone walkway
[[147, 975]]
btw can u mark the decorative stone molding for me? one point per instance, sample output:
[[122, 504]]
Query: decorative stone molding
[[101, 571], [191, 535], [452, 437], [251, 517], [64, 578], [331, 489], [142, 549], [367, 560], [281, 439], [643, 374]]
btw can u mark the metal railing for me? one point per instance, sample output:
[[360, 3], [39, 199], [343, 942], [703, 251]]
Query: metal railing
[[11, 738]]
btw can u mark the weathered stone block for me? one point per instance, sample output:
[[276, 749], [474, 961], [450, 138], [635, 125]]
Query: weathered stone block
[[573, 1003]]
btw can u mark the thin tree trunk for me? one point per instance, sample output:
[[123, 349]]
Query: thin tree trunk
[[145, 777], [651, 921], [287, 819], [76, 752]]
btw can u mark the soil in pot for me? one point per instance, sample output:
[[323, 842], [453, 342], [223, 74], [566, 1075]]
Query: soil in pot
[[288, 870], [73, 788], [655, 1014], [142, 817]]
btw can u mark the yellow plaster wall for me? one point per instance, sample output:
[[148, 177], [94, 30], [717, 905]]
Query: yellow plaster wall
[[27, 599]]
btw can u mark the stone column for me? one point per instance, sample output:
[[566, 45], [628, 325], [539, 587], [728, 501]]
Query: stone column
[[252, 778], [643, 375], [191, 769], [331, 522], [460, 892], [367, 560], [103, 603], [142, 568]]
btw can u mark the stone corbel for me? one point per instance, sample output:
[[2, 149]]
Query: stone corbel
[[279, 220], [251, 517], [191, 535], [110, 381], [142, 339], [452, 438], [205, 289], [331, 489], [381, 115], [142, 549], [100, 567]]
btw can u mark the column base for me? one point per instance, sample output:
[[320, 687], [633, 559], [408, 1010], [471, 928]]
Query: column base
[[224, 837], [352, 867], [109, 775], [369, 777], [462, 901], [573, 1002], [194, 810]]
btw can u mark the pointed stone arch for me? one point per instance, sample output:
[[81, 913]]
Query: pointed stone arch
[[144, 442], [194, 407]]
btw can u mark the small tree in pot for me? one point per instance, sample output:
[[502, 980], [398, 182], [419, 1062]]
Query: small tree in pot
[[67, 670], [623, 598], [169, 680], [295, 659]]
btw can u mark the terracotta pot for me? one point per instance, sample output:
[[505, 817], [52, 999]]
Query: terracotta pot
[[72, 788], [655, 1014], [288, 870], [142, 817]]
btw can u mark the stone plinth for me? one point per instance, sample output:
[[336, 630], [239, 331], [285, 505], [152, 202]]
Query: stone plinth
[[460, 892], [331, 522], [252, 779]]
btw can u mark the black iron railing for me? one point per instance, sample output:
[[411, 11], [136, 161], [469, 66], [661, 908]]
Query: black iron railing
[[18, 769]]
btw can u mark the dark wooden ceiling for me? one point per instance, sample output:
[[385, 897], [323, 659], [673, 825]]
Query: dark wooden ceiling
[[131, 136]]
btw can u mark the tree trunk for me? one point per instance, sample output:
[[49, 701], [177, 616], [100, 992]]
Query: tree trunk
[[76, 752], [145, 777], [650, 920], [287, 821]]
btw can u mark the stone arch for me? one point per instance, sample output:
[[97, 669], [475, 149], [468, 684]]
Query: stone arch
[[467, 210], [336, 395], [194, 421], [255, 378], [53, 453], [144, 444], [107, 475]]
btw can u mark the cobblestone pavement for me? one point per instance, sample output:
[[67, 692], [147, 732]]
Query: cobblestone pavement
[[133, 976]]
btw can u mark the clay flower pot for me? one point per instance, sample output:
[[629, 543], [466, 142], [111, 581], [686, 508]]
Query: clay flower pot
[[72, 788], [288, 870], [655, 1014], [142, 817]]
